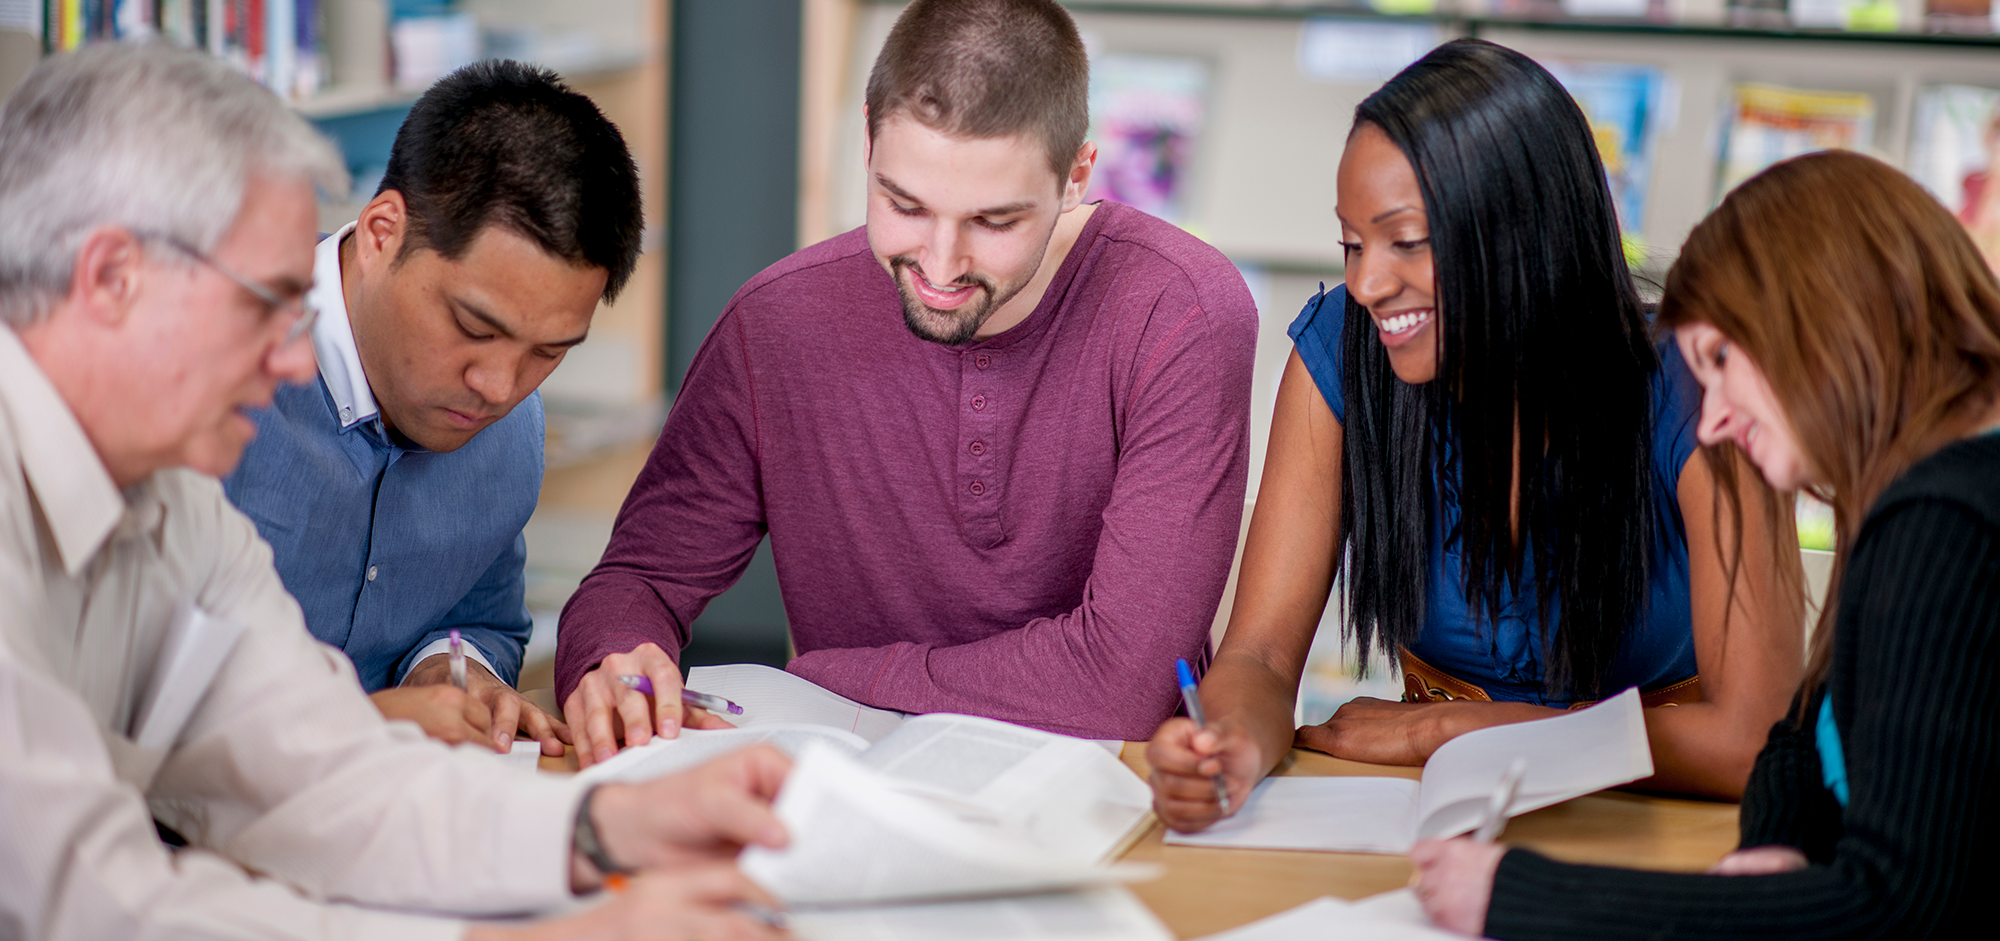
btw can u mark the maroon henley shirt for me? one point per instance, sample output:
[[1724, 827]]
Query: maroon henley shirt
[[1029, 527]]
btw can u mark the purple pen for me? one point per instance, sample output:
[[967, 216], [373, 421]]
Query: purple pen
[[688, 697]]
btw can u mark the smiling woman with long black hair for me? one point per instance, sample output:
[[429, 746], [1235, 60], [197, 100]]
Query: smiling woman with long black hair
[[1479, 433]]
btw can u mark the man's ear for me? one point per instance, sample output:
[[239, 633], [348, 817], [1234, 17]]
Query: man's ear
[[1079, 176], [379, 233], [867, 139], [105, 283]]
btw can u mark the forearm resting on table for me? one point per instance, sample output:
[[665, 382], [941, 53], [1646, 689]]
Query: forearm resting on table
[[1703, 749]]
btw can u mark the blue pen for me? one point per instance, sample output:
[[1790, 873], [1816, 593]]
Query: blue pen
[[1193, 701]]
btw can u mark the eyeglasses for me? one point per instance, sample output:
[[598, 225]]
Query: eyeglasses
[[303, 313]]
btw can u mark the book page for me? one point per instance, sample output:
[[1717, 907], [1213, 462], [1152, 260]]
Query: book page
[[663, 756], [1568, 756], [1338, 815], [856, 838], [1106, 914], [768, 695], [1069, 794]]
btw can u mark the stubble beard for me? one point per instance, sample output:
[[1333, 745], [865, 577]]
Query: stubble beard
[[947, 327]]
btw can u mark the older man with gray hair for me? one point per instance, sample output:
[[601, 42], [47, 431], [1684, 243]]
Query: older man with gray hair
[[156, 248]]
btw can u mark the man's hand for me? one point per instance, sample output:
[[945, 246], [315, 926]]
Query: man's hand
[[446, 713], [1381, 732], [1185, 761], [707, 902], [705, 814], [508, 711], [606, 711], [1455, 881], [1760, 861]]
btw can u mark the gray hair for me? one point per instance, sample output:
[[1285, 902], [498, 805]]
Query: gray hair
[[148, 136]]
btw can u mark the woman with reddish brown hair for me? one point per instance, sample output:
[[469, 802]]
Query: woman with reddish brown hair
[[1846, 333]]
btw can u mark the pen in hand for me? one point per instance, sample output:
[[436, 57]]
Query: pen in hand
[[688, 697], [1193, 701], [1503, 797], [457, 660]]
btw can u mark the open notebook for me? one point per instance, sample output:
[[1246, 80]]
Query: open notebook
[[1567, 756]]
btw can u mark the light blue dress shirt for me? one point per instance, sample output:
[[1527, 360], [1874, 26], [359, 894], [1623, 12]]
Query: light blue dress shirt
[[388, 546]]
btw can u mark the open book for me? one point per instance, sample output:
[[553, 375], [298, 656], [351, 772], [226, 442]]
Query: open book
[[886, 807], [1567, 756]]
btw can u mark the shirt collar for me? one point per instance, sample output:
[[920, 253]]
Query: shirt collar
[[333, 338], [77, 495]]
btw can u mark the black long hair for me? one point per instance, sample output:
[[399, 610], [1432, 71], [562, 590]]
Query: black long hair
[[1540, 328]]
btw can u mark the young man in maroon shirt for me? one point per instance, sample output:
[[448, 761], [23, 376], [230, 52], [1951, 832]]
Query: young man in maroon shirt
[[1017, 499]]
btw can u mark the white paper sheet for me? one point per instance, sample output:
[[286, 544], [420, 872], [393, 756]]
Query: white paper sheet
[[1341, 815], [527, 753], [663, 756], [1330, 919], [857, 838], [770, 695], [1105, 914], [191, 655]]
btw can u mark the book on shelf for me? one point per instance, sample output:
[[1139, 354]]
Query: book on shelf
[[1623, 103], [1954, 146], [886, 807], [1146, 115], [1763, 124], [277, 42], [1959, 16]]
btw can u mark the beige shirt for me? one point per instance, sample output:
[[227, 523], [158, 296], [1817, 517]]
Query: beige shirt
[[284, 769]]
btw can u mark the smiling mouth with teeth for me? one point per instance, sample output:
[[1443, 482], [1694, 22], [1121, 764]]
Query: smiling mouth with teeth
[[1403, 323]]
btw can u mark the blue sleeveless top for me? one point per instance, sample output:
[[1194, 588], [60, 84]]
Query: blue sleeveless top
[[1505, 659]]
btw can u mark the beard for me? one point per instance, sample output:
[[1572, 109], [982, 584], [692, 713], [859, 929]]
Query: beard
[[948, 327]]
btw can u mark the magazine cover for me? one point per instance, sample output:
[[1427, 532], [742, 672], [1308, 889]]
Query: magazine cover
[[1622, 103], [1954, 141], [1764, 124], [1146, 114]]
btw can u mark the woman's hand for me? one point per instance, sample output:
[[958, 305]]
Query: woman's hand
[[1381, 732], [1759, 861], [1185, 760], [1455, 881]]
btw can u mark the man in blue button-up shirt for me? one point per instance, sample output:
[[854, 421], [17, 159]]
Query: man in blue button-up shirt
[[393, 490]]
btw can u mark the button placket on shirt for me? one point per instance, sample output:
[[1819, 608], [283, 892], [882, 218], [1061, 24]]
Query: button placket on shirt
[[978, 461]]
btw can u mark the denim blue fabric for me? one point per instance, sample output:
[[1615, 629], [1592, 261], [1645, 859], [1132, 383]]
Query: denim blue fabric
[[441, 531], [1507, 661]]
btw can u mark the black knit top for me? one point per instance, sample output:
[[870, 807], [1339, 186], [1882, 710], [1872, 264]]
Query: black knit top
[[1915, 682]]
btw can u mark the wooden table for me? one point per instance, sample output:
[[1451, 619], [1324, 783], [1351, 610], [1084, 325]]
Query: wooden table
[[1206, 890]]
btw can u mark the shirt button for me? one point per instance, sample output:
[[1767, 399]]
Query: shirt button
[[979, 403], [372, 572], [978, 448], [346, 412], [982, 361], [977, 488]]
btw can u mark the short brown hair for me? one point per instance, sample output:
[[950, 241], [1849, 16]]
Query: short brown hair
[[1868, 309], [986, 68]]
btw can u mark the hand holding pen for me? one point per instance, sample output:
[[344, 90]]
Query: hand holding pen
[[1191, 697], [715, 704]]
